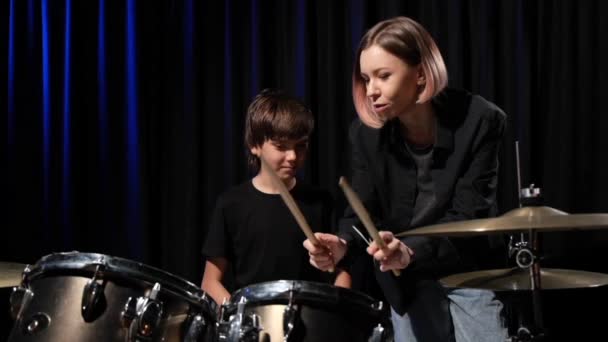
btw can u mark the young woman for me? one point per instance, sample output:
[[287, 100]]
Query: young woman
[[421, 154]]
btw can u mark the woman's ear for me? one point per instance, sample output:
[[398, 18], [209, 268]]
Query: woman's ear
[[421, 80]]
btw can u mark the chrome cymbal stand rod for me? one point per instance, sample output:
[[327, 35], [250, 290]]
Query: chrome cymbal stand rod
[[536, 285], [526, 257], [526, 253], [519, 189]]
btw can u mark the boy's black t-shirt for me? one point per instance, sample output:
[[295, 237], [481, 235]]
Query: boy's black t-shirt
[[260, 238]]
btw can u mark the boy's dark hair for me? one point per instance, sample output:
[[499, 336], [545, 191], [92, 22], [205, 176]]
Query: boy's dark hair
[[273, 115]]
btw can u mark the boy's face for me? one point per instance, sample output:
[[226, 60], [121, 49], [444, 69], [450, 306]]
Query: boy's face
[[285, 157]]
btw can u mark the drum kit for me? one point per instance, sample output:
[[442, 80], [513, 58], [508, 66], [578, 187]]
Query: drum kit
[[94, 297]]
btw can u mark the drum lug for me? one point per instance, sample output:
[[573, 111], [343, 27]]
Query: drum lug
[[196, 329], [377, 334], [129, 312], [242, 327], [92, 298], [289, 316], [142, 315], [20, 298]]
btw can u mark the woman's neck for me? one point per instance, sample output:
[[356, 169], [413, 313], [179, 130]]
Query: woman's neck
[[419, 125]]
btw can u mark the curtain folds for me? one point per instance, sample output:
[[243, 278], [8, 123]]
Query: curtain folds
[[124, 119]]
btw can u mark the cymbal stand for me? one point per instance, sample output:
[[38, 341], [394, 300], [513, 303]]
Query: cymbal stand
[[526, 257]]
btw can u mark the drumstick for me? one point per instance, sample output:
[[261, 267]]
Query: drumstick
[[363, 215], [291, 205]]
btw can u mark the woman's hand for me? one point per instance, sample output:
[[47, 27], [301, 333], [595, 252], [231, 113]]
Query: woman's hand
[[326, 255], [396, 255]]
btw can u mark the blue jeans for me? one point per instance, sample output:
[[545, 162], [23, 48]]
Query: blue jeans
[[476, 317]]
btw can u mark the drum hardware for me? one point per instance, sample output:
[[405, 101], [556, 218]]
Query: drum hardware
[[21, 296], [289, 315], [523, 335], [142, 315], [377, 306], [236, 322], [521, 252], [36, 323], [377, 334], [526, 259], [93, 299], [196, 328], [19, 299], [242, 327]]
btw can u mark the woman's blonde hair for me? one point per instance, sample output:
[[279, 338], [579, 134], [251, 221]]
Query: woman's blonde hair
[[409, 41]]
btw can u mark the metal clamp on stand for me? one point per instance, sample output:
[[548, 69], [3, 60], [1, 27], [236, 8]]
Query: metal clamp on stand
[[522, 253]]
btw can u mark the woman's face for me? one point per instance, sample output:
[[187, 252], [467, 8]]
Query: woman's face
[[392, 85]]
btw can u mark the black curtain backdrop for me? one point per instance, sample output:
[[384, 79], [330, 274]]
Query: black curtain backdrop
[[124, 118]]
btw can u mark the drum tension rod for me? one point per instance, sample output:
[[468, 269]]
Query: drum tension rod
[[289, 315]]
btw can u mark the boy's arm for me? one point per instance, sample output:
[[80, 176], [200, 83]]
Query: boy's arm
[[212, 279], [343, 279]]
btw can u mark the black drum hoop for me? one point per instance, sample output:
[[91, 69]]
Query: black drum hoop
[[306, 292]]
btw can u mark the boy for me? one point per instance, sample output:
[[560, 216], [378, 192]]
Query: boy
[[252, 231]]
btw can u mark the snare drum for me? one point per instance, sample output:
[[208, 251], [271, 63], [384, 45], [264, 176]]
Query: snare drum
[[300, 311], [94, 297]]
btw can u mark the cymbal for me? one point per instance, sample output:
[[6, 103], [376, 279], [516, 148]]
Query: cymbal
[[515, 279], [521, 219], [10, 273]]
